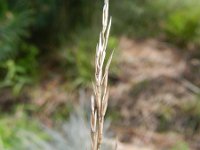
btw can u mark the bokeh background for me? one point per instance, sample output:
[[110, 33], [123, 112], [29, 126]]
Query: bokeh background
[[47, 50]]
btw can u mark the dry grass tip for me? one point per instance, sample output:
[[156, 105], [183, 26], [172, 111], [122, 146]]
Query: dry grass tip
[[99, 99]]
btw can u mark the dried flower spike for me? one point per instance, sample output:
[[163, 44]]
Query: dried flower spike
[[99, 100]]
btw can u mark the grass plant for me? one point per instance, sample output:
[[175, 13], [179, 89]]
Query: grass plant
[[99, 99]]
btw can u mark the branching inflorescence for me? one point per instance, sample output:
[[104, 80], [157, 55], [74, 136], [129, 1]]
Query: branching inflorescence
[[99, 100]]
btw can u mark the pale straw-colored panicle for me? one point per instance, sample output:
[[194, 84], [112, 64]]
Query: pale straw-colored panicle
[[99, 99]]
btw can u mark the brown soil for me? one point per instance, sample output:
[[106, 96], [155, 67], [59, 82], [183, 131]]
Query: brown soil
[[151, 92]]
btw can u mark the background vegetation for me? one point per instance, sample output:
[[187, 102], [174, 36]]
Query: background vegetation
[[40, 39]]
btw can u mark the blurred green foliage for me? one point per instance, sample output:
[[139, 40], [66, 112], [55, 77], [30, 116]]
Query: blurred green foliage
[[13, 27], [181, 146], [176, 20], [19, 71], [12, 128], [136, 18], [182, 25], [29, 30], [17, 57]]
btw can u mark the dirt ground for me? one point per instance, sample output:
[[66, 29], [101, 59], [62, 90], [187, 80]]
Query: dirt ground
[[153, 84]]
